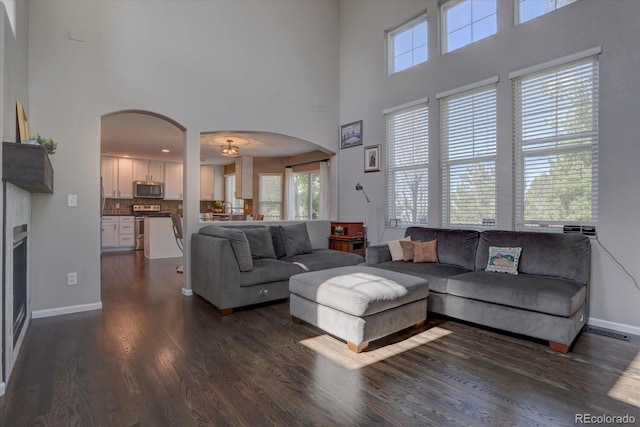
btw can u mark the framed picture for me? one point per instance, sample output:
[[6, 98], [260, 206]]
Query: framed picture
[[372, 158], [351, 134]]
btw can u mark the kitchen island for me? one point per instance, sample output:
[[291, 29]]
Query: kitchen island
[[159, 240]]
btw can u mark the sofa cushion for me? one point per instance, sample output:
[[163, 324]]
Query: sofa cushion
[[503, 260], [455, 247], [296, 239], [425, 251], [436, 274], [550, 295], [547, 254], [260, 242], [266, 270], [278, 241], [395, 248], [407, 250], [321, 259], [238, 240]]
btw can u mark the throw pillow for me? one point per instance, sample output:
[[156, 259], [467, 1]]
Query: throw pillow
[[425, 251], [503, 260], [260, 242], [407, 250], [396, 250], [238, 241], [296, 239], [278, 241]]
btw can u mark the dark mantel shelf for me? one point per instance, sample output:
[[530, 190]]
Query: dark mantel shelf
[[27, 166]]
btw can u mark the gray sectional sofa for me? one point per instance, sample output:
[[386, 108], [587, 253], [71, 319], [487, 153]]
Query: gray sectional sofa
[[237, 266], [548, 298]]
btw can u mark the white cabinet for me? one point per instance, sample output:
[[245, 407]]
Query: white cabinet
[[126, 232], [173, 181], [110, 234], [148, 171], [118, 233], [244, 177], [206, 183], [117, 177]]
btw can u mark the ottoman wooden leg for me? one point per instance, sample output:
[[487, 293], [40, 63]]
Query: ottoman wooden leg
[[559, 347], [226, 311], [357, 348], [420, 324], [294, 319]]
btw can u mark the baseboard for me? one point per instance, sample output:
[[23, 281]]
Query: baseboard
[[620, 327], [187, 292], [38, 314]]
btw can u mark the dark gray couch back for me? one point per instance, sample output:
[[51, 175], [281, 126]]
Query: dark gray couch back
[[546, 254], [455, 247]]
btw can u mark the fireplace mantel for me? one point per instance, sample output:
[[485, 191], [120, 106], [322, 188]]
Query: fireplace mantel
[[27, 166]]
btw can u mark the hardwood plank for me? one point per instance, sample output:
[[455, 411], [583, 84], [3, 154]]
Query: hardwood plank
[[155, 357]]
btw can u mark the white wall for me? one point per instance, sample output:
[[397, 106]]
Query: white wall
[[223, 65], [366, 90]]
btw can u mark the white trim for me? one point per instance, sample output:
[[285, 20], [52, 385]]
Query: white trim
[[470, 86], [555, 62], [187, 292], [3, 389], [50, 312], [620, 327], [405, 106]]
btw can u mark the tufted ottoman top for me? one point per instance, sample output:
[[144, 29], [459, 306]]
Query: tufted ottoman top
[[359, 290]]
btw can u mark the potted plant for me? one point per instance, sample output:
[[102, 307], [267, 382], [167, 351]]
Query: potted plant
[[47, 143], [218, 206]]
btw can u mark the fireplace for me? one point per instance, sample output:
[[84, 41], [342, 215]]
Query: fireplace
[[19, 279]]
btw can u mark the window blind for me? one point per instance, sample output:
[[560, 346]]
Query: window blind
[[407, 162], [270, 193], [468, 157], [556, 146]]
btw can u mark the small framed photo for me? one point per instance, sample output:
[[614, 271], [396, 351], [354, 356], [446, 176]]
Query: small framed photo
[[351, 134], [372, 158]]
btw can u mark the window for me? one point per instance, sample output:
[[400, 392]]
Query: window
[[556, 144], [270, 196], [306, 196], [407, 45], [529, 9], [467, 21], [468, 151], [407, 164], [230, 194]]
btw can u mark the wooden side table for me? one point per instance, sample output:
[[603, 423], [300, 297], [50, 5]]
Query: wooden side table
[[348, 237]]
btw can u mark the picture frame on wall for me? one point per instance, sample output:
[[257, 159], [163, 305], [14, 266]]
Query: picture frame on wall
[[372, 158], [351, 134]]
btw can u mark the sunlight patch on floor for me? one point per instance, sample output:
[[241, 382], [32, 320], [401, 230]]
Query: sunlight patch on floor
[[627, 388], [337, 351]]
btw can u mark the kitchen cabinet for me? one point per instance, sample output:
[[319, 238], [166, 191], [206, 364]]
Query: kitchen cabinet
[[244, 177], [207, 183], [173, 181], [126, 232], [117, 177], [110, 234], [148, 171]]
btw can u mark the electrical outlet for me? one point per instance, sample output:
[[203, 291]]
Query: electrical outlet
[[72, 200], [117, 205], [72, 279]]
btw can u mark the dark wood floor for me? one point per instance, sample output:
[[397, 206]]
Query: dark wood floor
[[153, 357]]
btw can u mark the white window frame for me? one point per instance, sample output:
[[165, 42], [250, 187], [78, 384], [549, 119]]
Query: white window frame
[[559, 65], [518, 3], [263, 203], [309, 193], [484, 92], [391, 34], [419, 145], [444, 35], [237, 204]]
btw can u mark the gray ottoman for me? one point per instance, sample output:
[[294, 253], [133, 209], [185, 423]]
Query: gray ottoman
[[358, 304]]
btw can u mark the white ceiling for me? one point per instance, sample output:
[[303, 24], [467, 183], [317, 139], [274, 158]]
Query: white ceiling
[[143, 136]]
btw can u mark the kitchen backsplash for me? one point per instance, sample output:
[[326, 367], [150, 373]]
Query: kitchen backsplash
[[173, 206]]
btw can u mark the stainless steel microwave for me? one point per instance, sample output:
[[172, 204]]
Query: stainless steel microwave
[[148, 190]]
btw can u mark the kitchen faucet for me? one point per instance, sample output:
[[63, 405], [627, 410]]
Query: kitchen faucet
[[230, 206]]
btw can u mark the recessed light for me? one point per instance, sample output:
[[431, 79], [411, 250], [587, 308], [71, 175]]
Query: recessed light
[[164, 150], [126, 156]]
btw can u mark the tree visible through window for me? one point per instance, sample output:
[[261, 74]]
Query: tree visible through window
[[556, 119], [306, 201]]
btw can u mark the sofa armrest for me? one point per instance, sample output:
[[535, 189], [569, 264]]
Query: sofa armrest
[[215, 274], [378, 254]]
